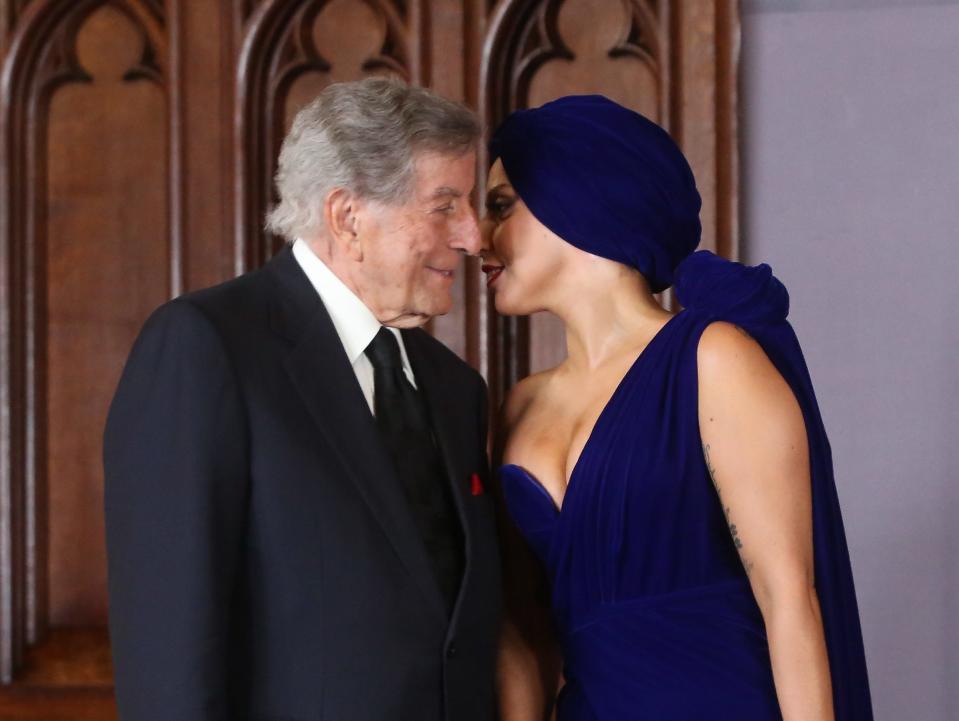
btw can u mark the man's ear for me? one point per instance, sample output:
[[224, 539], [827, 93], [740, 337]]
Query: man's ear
[[340, 214]]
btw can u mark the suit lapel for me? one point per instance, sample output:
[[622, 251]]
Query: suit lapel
[[322, 374]]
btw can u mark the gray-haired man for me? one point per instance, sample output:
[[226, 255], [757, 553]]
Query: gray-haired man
[[296, 519]]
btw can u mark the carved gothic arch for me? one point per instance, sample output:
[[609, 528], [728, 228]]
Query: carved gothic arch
[[42, 57], [278, 48]]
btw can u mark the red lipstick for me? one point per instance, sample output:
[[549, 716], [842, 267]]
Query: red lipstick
[[492, 273]]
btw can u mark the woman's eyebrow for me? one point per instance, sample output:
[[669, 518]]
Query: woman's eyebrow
[[498, 188]]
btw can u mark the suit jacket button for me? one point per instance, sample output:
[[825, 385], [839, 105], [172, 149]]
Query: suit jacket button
[[451, 650]]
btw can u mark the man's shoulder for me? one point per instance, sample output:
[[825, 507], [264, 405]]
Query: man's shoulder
[[241, 296], [443, 355], [222, 315]]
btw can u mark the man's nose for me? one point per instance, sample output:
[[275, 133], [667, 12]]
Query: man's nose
[[467, 236]]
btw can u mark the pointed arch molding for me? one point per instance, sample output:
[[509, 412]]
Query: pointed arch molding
[[13, 10], [278, 48], [41, 58], [523, 35]]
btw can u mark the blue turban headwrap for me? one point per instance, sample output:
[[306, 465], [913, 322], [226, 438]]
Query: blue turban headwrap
[[605, 179]]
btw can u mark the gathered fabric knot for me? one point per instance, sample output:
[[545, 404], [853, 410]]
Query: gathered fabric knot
[[721, 288]]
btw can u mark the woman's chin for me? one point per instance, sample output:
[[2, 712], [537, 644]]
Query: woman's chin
[[505, 307]]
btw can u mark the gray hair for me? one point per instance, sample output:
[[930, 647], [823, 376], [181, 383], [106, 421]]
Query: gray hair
[[363, 136]]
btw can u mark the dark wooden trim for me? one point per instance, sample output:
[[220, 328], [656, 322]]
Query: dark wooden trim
[[232, 25], [474, 295], [176, 131], [506, 357], [727, 128], [673, 26]]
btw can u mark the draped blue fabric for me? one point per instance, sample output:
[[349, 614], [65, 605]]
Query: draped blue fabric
[[605, 179], [656, 617], [653, 609]]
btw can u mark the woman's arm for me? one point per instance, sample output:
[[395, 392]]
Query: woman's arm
[[528, 666], [755, 445]]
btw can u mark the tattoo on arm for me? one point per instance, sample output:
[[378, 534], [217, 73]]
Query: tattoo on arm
[[747, 565]]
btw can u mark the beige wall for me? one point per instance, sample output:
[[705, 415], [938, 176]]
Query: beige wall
[[851, 183]]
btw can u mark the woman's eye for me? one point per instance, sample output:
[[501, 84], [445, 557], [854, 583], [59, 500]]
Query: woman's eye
[[498, 208]]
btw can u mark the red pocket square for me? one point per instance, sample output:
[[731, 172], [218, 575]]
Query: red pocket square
[[476, 485]]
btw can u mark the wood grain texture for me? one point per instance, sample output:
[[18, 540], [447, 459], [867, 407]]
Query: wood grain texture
[[49, 195], [447, 36], [57, 704], [106, 266], [77, 658], [68, 677], [202, 54]]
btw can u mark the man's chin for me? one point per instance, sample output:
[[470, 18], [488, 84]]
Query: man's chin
[[443, 308], [409, 320], [422, 314], [441, 304]]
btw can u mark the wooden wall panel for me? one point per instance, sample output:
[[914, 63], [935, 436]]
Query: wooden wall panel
[[85, 255], [138, 141], [447, 69], [613, 50], [201, 95], [345, 60], [107, 251]]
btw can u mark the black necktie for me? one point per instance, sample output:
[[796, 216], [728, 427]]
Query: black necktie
[[404, 423], [397, 405]]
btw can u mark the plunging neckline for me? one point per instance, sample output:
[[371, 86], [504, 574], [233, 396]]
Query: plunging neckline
[[558, 508]]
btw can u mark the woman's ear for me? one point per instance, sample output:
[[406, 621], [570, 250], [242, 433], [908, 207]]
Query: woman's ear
[[341, 216]]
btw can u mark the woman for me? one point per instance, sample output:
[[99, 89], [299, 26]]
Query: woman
[[672, 478]]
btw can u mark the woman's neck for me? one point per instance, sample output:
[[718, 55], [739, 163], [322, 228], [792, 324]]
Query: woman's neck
[[602, 323]]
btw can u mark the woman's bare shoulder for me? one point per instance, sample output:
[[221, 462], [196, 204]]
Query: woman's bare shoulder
[[521, 396], [735, 372], [726, 348]]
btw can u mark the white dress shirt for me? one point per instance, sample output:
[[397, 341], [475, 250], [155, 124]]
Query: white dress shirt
[[355, 324]]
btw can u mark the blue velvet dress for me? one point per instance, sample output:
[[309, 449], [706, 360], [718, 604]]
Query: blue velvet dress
[[654, 612]]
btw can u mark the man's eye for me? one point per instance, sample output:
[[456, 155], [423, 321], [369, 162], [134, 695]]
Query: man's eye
[[445, 209]]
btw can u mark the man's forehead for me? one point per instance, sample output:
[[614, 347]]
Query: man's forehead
[[445, 176], [437, 161]]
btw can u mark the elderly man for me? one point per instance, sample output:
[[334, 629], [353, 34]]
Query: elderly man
[[296, 520]]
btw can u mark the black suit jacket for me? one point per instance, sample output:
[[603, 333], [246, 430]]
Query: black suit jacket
[[263, 563]]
